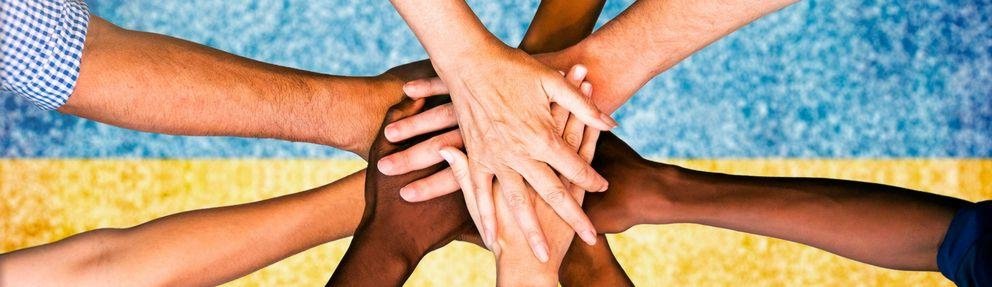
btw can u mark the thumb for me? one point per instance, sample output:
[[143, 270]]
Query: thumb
[[423, 88]]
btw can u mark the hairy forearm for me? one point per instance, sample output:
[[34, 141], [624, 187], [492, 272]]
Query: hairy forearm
[[156, 83], [652, 36], [878, 224], [197, 248]]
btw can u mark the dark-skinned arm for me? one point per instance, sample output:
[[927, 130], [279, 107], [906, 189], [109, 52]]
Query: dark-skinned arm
[[394, 234], [882, 225]]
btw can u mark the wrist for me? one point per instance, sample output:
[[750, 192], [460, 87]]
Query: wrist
[[671, 187], [516, 278], [362, 101], [614, 81], [373, 265], [466, 55]]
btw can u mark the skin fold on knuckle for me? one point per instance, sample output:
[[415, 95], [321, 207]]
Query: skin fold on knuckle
[[516, 200], [554, 197]]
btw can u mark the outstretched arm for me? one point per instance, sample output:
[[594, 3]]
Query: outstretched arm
[[878, 224], [157, 83], [197, 248], [180, 246], [650, 37]]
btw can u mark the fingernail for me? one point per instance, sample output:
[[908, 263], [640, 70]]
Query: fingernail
[[580, 71], [446, 155], [541, 251], [385, 166], [589, 237], [408, 88], [408, 193], [609, 120], [391, 132], [606, 186]]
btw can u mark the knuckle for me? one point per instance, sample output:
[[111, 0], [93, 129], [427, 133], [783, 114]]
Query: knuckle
[[555, 197], [461, 174], [547, 147], [436, 143], [516, 200], [446, 113], [579, 174], [573, 139]]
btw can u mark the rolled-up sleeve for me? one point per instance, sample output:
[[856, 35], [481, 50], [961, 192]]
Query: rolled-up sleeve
[[41, 45], [965, 255]]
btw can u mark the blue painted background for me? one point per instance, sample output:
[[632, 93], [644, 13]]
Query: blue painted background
[[818, 79]]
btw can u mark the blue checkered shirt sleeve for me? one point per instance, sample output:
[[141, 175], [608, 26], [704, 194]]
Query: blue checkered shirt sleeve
[[41, 44]]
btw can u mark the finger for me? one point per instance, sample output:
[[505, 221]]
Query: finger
[[580, 106], [521, 204], [568, 163], [459, 167], [430, 187], [560, 116], [551, 189], [576, 75], [419, 156], [587, 149], [586, 89], [423, 88], [486, 206], [574, 129], [438, 118]]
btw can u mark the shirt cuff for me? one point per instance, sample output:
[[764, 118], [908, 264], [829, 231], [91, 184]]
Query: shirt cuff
[[42, 49]]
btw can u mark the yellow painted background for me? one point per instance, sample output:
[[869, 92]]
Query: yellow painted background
[[44, 200]]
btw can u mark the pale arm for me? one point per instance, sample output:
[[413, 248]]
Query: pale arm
[[197, 248], [650, 37]]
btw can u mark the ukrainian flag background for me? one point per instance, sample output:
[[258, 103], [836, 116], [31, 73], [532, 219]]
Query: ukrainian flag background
[[895, 92]]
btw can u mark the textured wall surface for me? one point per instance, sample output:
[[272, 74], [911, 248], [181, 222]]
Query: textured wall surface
[[818, 79]]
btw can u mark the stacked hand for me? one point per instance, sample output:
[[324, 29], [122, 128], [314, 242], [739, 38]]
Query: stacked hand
[[507, 128], [388, 240]]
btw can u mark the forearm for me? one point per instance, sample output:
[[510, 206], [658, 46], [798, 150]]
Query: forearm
[[197, 248], [368, 263], [652, 36], [559, 24], [448, 30], [586, 265], [877, 224], [161, 84]]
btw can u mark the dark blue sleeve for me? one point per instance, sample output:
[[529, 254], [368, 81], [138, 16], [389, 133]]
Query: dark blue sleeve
[[965, 254]]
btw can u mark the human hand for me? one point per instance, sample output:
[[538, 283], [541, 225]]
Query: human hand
[[505, 122], [641, 191], [426, 154], [515, 265], [592, 265], [387, 244]]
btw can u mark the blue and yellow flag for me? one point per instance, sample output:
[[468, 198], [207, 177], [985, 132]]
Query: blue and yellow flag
[[895, 92]]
